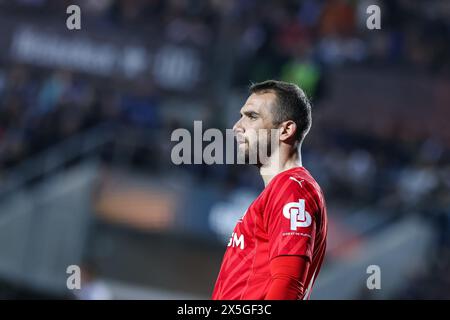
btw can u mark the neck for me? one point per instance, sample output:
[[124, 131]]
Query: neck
[[280, 161]]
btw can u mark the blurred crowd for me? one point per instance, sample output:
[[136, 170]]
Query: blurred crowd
[[278, 37], [297, 40], [38, 110]]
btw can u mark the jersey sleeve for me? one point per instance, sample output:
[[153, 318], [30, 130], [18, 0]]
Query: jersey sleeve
[[290, 218], [288, 278]]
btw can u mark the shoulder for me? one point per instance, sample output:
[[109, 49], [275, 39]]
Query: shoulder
[[297, 181], [296, 178]]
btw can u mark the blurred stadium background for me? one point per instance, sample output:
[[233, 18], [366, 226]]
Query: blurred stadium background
[[86, 118]]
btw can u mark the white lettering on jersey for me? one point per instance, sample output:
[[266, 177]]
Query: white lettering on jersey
[[236, 241]]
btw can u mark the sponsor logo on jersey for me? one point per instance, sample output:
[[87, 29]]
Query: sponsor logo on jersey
[[296, 213]]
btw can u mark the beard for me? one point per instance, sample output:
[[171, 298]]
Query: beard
[[256, 152]]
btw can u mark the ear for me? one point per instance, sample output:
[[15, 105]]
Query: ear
[[288, 130]]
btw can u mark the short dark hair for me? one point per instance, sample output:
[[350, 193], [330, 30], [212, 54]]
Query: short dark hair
[[291, 104]]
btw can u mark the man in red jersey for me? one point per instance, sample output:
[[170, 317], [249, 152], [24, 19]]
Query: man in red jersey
[[276, 249]]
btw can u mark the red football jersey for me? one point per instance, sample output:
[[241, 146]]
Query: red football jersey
[[288, 218]]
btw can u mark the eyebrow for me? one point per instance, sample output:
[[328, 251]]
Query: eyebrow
[[249, 113]]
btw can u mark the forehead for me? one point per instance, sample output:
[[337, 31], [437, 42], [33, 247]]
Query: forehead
[[259, 102]]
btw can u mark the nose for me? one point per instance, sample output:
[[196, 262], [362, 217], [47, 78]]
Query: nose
[[238, 127]]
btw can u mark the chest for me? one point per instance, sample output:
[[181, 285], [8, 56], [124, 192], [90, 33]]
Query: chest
[[250, 228]]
